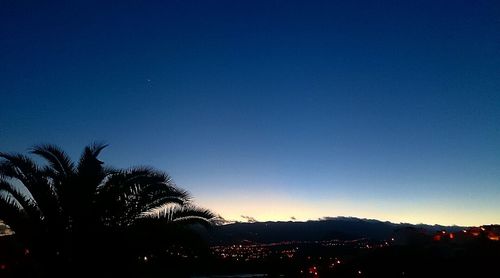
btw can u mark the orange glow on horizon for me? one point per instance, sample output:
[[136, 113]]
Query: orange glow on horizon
[[266, 207]]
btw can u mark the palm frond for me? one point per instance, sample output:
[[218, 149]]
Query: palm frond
[[90, 154], [60, 166], [13, 215], [56, 157], [17, 166], [188, 214], [155, 189], [22, 168], [89, 175], [26, 203], [129, 193]]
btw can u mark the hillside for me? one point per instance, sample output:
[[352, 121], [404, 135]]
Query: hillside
[[334, 228]]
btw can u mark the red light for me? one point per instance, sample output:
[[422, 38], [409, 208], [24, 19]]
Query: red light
[[3, 266]]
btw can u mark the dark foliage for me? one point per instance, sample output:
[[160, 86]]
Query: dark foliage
[[83, 216]]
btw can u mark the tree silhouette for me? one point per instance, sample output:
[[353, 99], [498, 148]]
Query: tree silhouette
[[68, 213]]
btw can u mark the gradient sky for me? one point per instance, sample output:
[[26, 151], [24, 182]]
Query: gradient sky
[[270, 109]]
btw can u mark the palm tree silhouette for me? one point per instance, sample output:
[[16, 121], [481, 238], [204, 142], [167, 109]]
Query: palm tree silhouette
[[76, 212]]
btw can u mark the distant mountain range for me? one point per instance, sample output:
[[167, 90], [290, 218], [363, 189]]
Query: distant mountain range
[[344, 228], [331, 228]]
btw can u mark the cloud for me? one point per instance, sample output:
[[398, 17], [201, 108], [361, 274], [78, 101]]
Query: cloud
[[249, 219], [219, 220], [293, 218]]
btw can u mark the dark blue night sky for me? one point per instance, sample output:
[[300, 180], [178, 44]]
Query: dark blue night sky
[[271, 109]]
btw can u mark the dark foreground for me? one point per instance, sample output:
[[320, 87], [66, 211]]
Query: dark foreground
[[412, 254]]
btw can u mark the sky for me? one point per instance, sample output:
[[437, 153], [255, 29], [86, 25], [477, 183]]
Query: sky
[[273, 110]]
